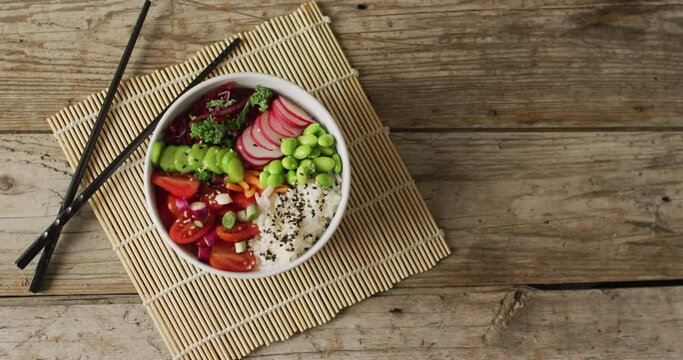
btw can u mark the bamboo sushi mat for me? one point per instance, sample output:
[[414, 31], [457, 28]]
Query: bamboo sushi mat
[[387, 233]]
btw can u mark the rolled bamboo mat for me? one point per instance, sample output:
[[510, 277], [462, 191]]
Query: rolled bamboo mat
[[387, 233]]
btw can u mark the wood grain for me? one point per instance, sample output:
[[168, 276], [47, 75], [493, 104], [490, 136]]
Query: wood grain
[[424, 64], [517, 208], [107, 327], [444, 323], [33, 174], [526, 208]]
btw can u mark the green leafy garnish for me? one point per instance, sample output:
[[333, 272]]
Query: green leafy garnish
[[241, 119], [260, 97], [204, 175], [208, 131], [220, 102]]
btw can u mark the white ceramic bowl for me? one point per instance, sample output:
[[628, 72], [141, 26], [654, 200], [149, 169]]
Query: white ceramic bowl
[[293, 93]]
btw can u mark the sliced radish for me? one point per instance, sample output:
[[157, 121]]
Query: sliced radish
[[256, 163], [259, 140], [262, 137], [274, 129], [287, 121], [284, 131], [255, 150], [295, 110]]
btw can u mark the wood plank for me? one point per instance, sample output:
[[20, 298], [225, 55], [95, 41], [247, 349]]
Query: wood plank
[[444, 63], [112, 327], [33, 174], [444, 323], [517, 208], [529, 208]]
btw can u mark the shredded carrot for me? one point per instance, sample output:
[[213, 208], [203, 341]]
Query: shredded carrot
[[281, 188], [254, 182], [252, 178], [244, 185], [250, 186], [234, 187], [252, 173]]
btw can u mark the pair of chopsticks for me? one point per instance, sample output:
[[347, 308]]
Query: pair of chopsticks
[[72, 203]]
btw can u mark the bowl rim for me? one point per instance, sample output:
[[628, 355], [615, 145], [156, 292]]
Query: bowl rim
[[294, 93]]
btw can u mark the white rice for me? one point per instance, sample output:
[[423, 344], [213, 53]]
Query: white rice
[[292, 222]]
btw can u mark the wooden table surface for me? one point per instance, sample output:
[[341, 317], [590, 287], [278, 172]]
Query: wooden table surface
[[545, 136]]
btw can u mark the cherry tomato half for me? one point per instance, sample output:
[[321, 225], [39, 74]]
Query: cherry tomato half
[[180, 185], [185, 231], [240, 200], [172, 206], [239, 232], [224, 257]]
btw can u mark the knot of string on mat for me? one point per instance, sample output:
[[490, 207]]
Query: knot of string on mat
[[134, 236]]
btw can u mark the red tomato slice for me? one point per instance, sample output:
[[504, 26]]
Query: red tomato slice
[[172, 206], [224, 257], [239, 232], [180, 185], [185, 231], [240, 200]]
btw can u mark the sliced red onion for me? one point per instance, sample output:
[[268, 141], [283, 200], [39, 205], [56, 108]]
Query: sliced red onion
[[199, 210], [203, 253], [211, 238], [182, 204], [223, 199]]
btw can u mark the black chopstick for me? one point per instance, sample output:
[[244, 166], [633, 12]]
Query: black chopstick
[[50, 246], [90, 190], [32, 251]]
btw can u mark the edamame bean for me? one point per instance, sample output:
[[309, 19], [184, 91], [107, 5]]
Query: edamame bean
[[337, 163], [310, 140], [327, 151], [275, 167], [301, 175], [324, 164], [323, 180], [157, 149], [308, 166], [235, 170], [225, 160], [291, 177], [312, 129], [326, 140], [288, 146], [315, 152], [218, 160], [264, 177], [167, 161], [196, 156], [302, 152], [209, 161], [180, 159], [289, 163], [276, 180]]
